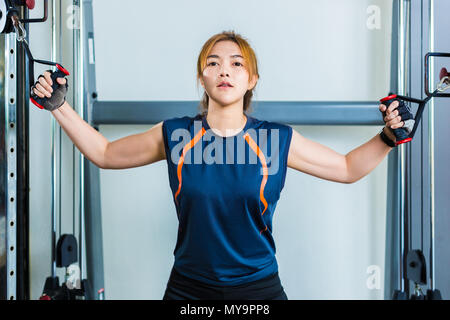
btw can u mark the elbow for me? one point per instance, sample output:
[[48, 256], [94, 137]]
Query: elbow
[[352, 178], [350, 181], [101, 162], [347, 180], [99, 166], [348, 177], [97, 163]]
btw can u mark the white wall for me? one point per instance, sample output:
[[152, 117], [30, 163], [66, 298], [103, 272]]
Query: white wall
[[307, 50], [319, 50]]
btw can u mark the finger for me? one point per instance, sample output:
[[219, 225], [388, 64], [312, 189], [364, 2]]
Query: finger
[[382, 107], [398, 125], [386, 110], [392, 106], [47, 75], [61, 80], [45, 84], [391, 116], [395, 121], [41, 89], [38, 93]]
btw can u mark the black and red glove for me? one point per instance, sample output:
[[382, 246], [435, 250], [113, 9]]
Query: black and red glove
[[50, 94], [401, 117]]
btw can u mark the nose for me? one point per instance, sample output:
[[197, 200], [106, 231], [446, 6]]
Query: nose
[[223, 72]]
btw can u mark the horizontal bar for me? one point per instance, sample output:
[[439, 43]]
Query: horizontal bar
[[288, 112]]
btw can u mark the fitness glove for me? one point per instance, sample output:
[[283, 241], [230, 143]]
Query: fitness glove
[[406, 116], [58, 96]]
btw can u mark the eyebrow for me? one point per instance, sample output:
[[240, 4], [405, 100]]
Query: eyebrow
[[232, 56]]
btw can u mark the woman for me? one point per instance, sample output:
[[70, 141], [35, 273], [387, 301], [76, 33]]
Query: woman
[[225, 248]]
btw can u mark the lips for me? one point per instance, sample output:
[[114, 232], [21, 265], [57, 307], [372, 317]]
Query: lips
[[224, 84]]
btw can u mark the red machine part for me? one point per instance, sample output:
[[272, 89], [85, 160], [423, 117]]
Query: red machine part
[[443, 73], [30, 4]]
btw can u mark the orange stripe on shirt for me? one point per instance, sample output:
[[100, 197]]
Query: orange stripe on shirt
[[261, 157], [263, 230], [186, 148]]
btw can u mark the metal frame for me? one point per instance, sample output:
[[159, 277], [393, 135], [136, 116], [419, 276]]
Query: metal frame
[[429, 76], [89, 202], [431, 262], [23, 180], [411, 192], [3, 176], [398, 204], [11, 167], [54, 168], [404, 18], [292, 112], [90, 174], [14, 171]]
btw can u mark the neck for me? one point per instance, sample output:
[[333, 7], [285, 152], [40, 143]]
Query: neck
[[226, 121]]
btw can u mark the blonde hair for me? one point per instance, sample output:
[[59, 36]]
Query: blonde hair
[[248, 55]]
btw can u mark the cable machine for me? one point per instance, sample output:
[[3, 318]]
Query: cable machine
[[66, 253], [412, 262]]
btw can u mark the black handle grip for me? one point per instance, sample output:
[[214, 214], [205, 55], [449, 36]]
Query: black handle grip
[[401, 134]]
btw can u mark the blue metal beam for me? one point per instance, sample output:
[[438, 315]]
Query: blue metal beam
[[291, 112]]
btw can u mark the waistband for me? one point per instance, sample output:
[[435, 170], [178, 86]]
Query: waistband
[[183, 287], [273, 278]]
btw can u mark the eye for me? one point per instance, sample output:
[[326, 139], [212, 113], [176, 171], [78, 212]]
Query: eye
[[239, 64]]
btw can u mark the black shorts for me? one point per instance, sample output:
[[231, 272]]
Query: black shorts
[[180, 287]]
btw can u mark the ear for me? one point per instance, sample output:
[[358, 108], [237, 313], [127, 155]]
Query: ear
[[252, 82], [201, 82]]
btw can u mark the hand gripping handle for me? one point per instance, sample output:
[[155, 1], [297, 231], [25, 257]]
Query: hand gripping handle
[[401, 134], [60, 73]]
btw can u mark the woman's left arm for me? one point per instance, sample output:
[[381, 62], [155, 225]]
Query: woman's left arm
[[362, 160], [320, 161]]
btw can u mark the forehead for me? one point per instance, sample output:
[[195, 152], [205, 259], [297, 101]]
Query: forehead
[[225, 48]]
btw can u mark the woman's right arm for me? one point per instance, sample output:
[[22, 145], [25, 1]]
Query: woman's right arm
[[128, 152]]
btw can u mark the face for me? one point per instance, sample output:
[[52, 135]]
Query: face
[[225, 63]]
